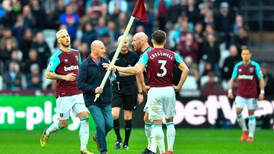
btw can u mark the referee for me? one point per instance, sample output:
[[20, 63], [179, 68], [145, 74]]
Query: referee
[[124, 94]]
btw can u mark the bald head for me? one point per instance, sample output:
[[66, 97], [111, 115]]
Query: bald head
[[98, 48], [139, 42], [141, 35], [96, 43]]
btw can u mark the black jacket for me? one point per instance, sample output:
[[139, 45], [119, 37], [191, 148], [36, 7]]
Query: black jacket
[[89, 78]]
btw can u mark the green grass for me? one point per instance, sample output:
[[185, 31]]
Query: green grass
[[188, 141]]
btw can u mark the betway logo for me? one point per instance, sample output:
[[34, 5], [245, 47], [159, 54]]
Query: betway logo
[[249, 77], [197, 112], [34, 116], [71, 68]]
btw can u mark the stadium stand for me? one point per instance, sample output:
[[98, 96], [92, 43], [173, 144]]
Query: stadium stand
[[201, 29]]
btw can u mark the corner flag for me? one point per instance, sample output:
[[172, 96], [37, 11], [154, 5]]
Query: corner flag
[[140, 11]]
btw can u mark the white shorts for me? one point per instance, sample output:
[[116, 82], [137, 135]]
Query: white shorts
[[160, 103], [74, 103], [251, 103]]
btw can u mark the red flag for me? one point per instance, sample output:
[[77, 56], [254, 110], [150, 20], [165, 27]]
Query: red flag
[[140, 11]]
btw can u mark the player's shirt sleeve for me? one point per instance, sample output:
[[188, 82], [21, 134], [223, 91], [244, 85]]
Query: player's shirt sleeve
[[178, 59], [54, 61], [258, 70], [235, 70], [143, 59], [79, 59]]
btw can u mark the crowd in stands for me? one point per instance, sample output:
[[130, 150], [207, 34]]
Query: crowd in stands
[[208, 34]]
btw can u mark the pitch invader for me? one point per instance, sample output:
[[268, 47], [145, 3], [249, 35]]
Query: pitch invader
[[63, 67], [247, 72]]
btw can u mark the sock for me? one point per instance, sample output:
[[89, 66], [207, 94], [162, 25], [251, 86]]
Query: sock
[[55, 126], [84, 132], [170, 134], [158, 134], [128, 126], [117, 129], [251, 125], [241, 122], [148, 134]]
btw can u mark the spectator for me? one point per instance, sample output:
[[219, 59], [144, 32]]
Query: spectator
[[42, 48], [101, 29], [239, 23], [32, 59], [230, 62], [174, 11], [58, 11], [208, 18], [71, 20], [7, 36], [192, 11], [34, 78], [113, 31], [11, 12], [269, 80], [161, 10], [117, 6], [109, 45], [28, 17], [13, 78], [89, 33], [19, 28], [211, 53], [38, 15], [193, 68], [211, 85], [241, 38], [223, 23], [26, 43], [84, 49], [179, 33], [190, 47], [198, 33], [97, 7], [5, 52]]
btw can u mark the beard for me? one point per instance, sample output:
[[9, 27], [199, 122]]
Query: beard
[[65, 45]]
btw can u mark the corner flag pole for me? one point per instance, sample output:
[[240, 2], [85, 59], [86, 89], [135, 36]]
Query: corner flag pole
[[117, 52], [139, 12]]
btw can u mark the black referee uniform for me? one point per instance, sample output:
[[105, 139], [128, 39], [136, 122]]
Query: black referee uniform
[[124, 95], [124, 90]]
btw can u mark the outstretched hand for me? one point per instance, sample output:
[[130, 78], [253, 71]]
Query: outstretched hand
[[107, 65]]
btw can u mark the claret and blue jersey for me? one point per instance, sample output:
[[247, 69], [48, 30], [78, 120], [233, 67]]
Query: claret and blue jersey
[[160, 62], [64, 63], [247, 76]]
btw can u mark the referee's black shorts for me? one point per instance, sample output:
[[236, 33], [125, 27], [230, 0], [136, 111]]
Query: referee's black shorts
[[125, 97]]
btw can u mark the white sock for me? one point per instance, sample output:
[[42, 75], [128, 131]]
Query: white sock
[[170, 134], [84, 132], [55, 126], [153, 145], [148, 134], [241, 122], [251, 125], [158, 134]]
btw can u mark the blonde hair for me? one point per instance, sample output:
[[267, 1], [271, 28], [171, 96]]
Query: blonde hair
[[60, 32]]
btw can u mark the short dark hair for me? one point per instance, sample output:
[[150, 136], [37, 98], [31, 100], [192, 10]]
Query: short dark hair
[[159, 36], [245, 48]]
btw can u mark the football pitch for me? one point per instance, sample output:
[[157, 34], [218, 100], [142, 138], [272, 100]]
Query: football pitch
[[188, 141]]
